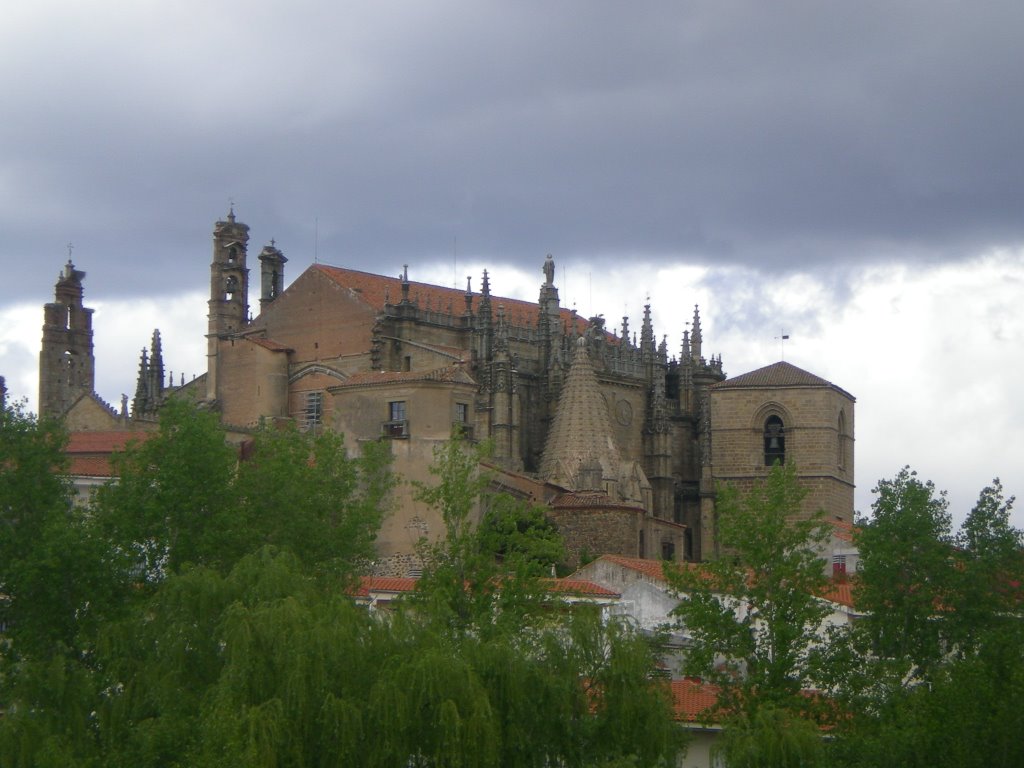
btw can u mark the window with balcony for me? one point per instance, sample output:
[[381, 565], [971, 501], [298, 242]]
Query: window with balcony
[[397, 424]]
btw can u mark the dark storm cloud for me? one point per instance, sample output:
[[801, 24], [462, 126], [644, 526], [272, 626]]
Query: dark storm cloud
[[779, 136]]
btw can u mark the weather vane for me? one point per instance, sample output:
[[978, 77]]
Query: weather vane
[[783, 337]]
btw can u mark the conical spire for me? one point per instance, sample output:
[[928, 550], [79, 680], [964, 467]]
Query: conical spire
[[695, 337], [581, 431]]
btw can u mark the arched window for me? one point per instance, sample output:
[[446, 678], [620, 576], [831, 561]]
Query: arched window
[[774, 441], [230, 287], [841, 441]]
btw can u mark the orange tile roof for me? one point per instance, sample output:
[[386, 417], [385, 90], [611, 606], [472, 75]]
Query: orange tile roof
[[691, 698], [839, 591], [843, 530], [374, 288], [90, 466], [103, 442], [579, 587], [652, 569], [397, 584]]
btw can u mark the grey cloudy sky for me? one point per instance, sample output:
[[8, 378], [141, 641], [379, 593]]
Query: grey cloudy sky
[[850, 172]]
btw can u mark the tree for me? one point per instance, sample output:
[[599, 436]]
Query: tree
[[184, 497], [753, 615], [906, 573], [515, 532], [935, 671]]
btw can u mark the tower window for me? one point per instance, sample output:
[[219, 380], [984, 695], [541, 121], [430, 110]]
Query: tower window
[[232, 254], [230, 287], [774, 441], [314, 411], [397, 424], [841, 441]]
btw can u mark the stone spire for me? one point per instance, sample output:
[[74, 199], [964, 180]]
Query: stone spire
[[695, 337], [581, 432]]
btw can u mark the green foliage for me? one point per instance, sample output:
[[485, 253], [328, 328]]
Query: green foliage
[[512, 532], [175, 501], [935, 673], [753, 614], [770, 738], [906, 570], [197, 626], [184, 498]]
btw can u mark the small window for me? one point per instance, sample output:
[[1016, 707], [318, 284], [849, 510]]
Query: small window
[[314, 411], [841, 441], [668, 550], [397, 424], [461, 413], [640, 545], [838, 565], [774, 441]]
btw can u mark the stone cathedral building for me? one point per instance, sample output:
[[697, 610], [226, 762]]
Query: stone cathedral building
[[620, 439]]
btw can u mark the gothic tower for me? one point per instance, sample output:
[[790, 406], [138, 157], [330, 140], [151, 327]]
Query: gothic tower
[[272, 263], [66, 363], [229, 291]]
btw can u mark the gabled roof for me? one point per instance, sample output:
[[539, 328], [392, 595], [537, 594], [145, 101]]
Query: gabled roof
[[652, 569], [776, 375], [376, 290]]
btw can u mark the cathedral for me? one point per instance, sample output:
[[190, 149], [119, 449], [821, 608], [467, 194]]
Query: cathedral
[[621, 441]]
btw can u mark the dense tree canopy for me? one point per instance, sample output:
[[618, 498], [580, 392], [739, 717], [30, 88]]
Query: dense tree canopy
[[227, 636]]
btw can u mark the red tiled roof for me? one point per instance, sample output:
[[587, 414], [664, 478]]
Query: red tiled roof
[[368, 584], [90, 466], [652, 569], [579, 587], [103, 442], [373, 288], [839, 591], [691, 698], [842, 530]]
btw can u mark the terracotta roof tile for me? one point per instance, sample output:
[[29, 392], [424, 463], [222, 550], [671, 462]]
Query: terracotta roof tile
[[652, 569], [579, 587], [842, 530], [691, 698], [839, 591], [397, 584], [90, 466], [781, 374], [103, 442], [373, 289]]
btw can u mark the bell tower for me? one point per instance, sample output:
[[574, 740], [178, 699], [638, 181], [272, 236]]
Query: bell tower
[[66, 363], [229, 291]]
